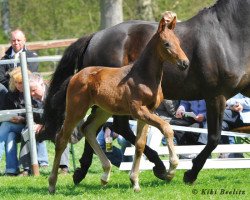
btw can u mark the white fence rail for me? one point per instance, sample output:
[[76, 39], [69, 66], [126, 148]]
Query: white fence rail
[[55, 58], [155, 138]]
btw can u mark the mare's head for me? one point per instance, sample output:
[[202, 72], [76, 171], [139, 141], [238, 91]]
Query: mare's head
[[169, 45]]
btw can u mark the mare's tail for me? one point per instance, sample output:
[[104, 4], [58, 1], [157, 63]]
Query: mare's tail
[[54, 107]]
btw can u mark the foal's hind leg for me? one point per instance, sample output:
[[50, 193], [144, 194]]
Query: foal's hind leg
[[87, 156], [62, 140], [90, 133], [74, 114]]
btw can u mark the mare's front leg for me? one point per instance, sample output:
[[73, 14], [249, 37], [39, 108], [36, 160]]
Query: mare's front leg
[[215, 109], [140, 142]]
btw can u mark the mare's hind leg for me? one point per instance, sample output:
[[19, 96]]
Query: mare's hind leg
[[89, 131]]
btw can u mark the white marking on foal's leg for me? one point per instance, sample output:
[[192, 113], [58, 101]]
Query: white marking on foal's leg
[[173, 160], [135, 181], [106, 174]]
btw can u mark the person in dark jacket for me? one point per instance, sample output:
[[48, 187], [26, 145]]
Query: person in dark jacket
[[17, 40]]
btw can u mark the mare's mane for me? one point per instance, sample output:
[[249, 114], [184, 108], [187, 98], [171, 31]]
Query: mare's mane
[[230, 4]]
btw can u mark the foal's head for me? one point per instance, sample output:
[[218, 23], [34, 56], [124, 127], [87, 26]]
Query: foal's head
[[169, 45]]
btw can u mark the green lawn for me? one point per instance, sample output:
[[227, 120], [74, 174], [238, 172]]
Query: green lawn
[[211, 184]]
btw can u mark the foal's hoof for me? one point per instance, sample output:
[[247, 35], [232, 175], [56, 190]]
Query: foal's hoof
[[78, 176], [189, 177], [103, 183], [170, 177], [160, 173], [137, 189]]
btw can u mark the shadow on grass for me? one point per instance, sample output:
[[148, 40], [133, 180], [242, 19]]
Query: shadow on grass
[[68, 189], [220, 178]]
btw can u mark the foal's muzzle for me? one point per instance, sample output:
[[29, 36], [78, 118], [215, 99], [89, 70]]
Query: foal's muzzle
[[183, 64]]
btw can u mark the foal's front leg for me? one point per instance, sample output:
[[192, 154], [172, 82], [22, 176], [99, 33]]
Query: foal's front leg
[[173, 158], [141, 137], [167, 131]]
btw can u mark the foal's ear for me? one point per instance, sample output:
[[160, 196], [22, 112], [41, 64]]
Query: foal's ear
[[171, 25], [170, 18], [162, 25]]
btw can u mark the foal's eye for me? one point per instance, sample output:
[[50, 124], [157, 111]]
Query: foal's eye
[[167, 44]]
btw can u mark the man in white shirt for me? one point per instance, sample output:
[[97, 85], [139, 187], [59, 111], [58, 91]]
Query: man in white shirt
[[236, 114]]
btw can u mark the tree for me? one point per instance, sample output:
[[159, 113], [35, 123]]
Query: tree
[[111, 13], [145, 10], [5, 12]]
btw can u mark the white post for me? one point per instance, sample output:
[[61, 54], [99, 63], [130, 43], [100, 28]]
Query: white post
[[29, 114]]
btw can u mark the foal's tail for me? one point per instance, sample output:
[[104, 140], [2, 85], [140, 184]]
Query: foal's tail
[[54, 108]]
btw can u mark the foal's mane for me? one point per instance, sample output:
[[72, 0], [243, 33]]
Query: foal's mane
[[138, 63]]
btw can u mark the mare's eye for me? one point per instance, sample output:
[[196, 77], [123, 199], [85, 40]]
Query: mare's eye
[[167, 44]]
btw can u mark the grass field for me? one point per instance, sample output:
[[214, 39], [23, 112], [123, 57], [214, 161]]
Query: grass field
[[211, 184]]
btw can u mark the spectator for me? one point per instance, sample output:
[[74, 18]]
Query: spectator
[[17, 40], [236, 114], [115, 155], [38, 91], [3, 91], [10, 130], [198, 120], [166, 110]]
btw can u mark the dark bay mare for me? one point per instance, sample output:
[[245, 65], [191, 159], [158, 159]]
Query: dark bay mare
[[217, 43], [133, 90]]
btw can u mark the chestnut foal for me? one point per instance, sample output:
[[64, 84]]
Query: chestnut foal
[[130, 90]]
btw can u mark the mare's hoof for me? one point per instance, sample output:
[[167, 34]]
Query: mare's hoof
[[52, 190], [189, 177], [161, 173], [78, 176]]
